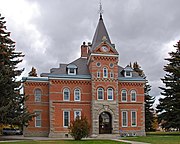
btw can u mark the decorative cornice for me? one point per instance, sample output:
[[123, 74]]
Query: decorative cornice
[[106, 58], [34, 83], [104, 80], [55, 81], [130, 84]]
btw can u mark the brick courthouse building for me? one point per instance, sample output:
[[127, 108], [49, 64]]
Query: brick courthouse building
[[94, 85]]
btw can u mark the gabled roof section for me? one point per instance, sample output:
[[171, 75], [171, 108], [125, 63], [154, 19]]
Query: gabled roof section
[[135, 76], [100, 34], [80, 64]]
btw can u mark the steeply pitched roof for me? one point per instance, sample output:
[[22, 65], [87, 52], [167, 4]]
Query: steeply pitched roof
[[99, 34], [81, 64]]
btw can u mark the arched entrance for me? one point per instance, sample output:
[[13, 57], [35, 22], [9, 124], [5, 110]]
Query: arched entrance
[[105, 123]]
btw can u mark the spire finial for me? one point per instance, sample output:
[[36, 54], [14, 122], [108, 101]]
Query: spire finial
[[100, 9]]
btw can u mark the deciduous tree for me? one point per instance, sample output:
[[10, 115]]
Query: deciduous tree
[[79, 128]]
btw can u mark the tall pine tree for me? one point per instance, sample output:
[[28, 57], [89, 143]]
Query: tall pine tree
[[169, 105], [149, 100], [12, 108]]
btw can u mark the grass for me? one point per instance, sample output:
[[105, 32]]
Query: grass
[[66, 142], [158, 138]]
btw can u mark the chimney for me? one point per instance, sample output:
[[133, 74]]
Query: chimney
[[84, 50]]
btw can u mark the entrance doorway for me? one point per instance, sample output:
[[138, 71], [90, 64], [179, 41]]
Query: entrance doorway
[[105, 123]]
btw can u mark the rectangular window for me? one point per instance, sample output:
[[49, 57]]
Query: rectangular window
[[105, 72], [38, 119], [66, 118], [133, 118], [77, 114], [98, 74], [111, 75], [124, 119]]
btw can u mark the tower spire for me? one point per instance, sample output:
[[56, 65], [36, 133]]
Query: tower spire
[[100, 9]]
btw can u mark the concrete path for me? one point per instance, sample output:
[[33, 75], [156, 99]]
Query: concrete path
[[131, 142], [16, 138]]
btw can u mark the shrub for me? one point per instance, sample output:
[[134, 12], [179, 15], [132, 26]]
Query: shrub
[[79, 128]]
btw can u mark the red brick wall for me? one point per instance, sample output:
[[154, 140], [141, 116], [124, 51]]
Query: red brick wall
[[43, 106], [132, 106], [56, 96]]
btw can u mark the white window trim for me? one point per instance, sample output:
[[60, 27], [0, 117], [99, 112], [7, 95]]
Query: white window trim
[[106, 72], [128, 75], [75, 95], [136, 118], [102, 94], [68, 118], [75, 114], [69, 73], [122, 96], [36, 100], [38, 119], [126, 118], [64, 95], [135, 95], [108, 93]]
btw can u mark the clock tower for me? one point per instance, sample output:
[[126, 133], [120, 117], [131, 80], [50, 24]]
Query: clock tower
[[103, 66]]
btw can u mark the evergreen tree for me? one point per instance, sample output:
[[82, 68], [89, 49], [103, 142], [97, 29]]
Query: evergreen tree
[[169, 105], [12, 109], [149, 100]]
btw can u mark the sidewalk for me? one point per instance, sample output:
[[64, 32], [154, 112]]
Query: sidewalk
[[131, 142]]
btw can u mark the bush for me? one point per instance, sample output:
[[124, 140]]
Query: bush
[[79, 128]]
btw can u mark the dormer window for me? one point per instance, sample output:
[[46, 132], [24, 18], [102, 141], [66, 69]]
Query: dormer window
[[72, 69], [128, 71], [128, 74]]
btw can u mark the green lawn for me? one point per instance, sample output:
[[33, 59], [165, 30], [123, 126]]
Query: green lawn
[[66, 142], [158, 138]]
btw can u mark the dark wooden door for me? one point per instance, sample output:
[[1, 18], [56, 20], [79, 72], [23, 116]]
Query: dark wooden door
[[105, 123]]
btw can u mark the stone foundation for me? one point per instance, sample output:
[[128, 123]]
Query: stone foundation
[[59, 135], [133, 133], [35, 134]]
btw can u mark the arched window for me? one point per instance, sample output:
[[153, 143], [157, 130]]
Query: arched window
[[124, 96], [77, 95], [105, 72], [66, 94], [37, 94], [100, 93], [133, 95], [110, 94]]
